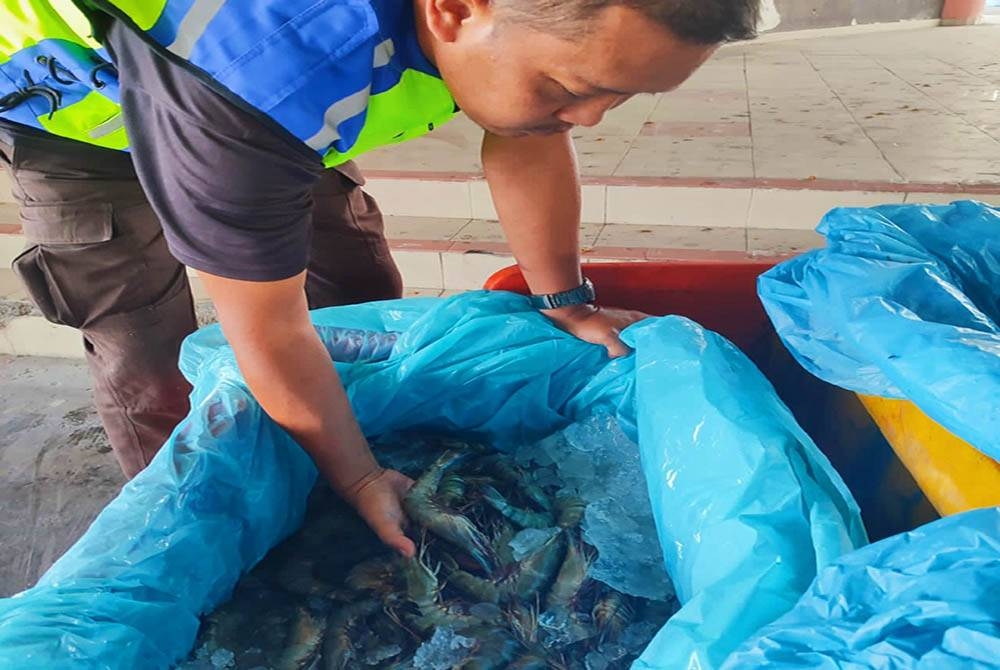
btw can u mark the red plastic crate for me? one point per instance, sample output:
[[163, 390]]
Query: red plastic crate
[[722, 296]]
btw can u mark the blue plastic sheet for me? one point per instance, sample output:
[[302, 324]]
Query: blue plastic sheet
[[747, 509], [926, 599], [904, 302]]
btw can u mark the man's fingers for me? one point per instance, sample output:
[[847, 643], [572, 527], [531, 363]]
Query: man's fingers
[[405, 547], [616, 348], [636, 317], [623, 320], [613, 343], [392, 536]]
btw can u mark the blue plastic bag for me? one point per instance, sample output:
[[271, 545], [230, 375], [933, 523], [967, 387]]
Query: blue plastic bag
[[904, 302], [923, 599], [747, 508]]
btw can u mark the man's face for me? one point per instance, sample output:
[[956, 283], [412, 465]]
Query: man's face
[[513, 80]]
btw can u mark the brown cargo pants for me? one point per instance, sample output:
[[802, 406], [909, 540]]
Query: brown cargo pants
[[96, 260]]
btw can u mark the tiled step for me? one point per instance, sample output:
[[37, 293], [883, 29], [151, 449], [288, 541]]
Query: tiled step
[[749, 203], [684, 202], [459, 254], [24, 332]]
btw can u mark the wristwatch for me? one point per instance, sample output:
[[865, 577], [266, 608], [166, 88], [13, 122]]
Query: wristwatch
[[581, 295]]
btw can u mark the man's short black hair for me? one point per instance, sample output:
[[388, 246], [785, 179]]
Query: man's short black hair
[[698, 21]]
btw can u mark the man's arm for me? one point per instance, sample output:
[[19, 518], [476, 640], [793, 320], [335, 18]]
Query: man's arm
[[536, 189], [236, 199], [291, 375]]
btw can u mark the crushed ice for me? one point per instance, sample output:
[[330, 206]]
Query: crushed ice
[[595, 460]]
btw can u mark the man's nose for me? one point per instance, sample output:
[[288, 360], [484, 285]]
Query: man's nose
[[589, 112], [582, 114]]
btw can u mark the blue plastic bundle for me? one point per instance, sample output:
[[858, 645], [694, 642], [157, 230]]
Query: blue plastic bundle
[[923, 599], [747, 509], [904, 302]]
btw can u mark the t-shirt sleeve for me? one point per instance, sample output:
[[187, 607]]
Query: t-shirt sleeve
[[233, 194]]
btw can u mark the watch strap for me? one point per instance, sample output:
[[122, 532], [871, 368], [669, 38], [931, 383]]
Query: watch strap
[[583, 294]]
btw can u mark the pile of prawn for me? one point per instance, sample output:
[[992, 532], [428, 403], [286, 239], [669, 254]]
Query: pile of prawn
[[348, 603]]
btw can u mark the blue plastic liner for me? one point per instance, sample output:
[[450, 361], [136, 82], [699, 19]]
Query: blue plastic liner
[[903, 302], [927, 599], [747, 508]]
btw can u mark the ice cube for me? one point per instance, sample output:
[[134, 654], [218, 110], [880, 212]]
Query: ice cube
[[560, 628], [223, 659], [595, 660], [578, 468], [379, 654], [538, 454], [545, 477], [443, 651], [636, 636], [630, 558], [612, 652], [530, 540], [554, 625], [195, 664]]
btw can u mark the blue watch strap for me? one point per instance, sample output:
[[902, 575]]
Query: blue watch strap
[[581, 295]]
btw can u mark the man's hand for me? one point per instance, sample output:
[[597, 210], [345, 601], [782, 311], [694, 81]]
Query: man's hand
[[378, 499], [536, 191], [597, 325]]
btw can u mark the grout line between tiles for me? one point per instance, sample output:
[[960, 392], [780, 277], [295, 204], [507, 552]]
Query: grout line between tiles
[[938, 103], [853, 116]]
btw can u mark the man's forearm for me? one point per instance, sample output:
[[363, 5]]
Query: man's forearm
[[291, 375], [536, 190]]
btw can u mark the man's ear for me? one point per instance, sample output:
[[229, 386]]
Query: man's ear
[[447, 19]]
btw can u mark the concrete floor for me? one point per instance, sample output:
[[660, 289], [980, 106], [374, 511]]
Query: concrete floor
[[56, 468]]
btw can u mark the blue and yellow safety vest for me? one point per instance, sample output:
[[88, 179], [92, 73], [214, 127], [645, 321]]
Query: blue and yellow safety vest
[[342, 76]]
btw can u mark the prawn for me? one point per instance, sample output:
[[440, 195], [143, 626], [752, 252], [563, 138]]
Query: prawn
[[421, 507], [522, 517], [570, 578], [611, 614], [424, 591]]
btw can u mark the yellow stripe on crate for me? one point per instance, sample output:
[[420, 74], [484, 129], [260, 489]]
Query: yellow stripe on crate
[[953, 474]]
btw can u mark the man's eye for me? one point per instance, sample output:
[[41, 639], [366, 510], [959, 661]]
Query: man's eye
[[572, 94], [559, 91]]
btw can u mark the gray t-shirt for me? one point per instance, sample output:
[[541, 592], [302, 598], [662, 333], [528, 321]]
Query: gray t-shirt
[[233, 194]]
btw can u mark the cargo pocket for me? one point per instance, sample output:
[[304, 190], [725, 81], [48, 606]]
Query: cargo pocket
[[52, 230], [63, 224]]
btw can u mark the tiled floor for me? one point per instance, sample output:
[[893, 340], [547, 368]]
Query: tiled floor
[[918, 105], [414, 234]]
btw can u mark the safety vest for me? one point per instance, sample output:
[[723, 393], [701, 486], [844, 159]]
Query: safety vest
[[341, 76]]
